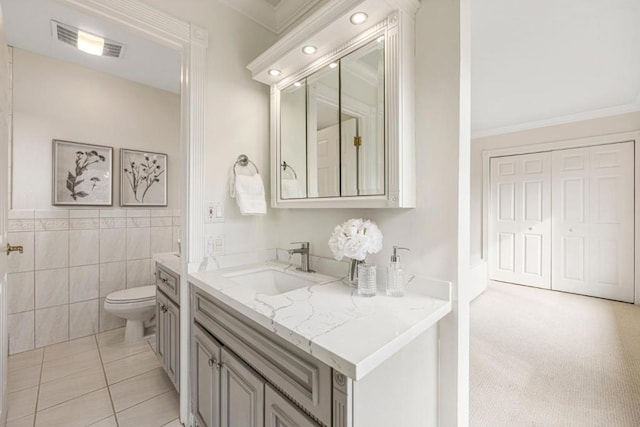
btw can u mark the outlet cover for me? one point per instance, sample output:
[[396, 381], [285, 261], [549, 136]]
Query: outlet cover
[[218, 245]]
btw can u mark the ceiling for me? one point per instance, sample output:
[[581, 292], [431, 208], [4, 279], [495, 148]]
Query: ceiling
[[544, 62], [534, 62], [28, 27]]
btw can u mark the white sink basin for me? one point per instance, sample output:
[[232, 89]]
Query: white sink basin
[[270, 281]]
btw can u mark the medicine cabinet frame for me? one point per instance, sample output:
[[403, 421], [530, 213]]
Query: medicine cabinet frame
[[397, 28]]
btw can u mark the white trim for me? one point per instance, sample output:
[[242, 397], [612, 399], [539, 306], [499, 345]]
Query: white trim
[[259, 12], [562, 145], [192, 41], [561, 120], [288, 12], [400, 185]]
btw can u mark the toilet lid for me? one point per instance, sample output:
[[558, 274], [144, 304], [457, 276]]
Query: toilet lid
[[139, 294]]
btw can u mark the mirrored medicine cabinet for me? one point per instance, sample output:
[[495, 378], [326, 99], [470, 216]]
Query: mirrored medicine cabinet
[[342, 126]]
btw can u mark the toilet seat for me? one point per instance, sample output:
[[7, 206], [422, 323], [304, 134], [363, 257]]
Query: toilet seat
[[133, 295]]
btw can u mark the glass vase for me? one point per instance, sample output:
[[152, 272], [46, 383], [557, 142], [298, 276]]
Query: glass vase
[[366, 280]]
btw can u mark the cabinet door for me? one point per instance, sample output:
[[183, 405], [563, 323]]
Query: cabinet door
[[280, 412], [242, 393], [206, 378], [172, 341], [161, 347]]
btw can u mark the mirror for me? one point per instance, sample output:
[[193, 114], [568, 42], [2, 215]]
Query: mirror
[[332, 129]]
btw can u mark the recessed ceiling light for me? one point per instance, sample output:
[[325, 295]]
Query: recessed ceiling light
[[297, 84], [333, 65], [90, 43], [274, 72], [309, 50], [358, 18]]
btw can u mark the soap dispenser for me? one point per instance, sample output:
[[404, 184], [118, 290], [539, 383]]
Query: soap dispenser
[[395, 275]]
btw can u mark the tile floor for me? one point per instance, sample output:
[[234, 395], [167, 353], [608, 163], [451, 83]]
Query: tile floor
[[98, 381]]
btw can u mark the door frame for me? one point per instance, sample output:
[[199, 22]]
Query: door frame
[[191, 42], [615, 138]]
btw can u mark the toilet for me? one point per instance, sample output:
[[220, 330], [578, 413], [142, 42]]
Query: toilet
[[136, 305]]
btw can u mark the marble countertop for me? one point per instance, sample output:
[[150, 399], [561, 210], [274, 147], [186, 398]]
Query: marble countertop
[[170, 260], [329, 321]]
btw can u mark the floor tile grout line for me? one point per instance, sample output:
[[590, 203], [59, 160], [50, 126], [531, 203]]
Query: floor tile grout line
[[35, 409], [151, 398], [106, 381], [135, 376], [146, 400]]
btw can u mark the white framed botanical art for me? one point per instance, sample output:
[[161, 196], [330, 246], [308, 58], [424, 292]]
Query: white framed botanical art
[[82, 174], [143, 178]]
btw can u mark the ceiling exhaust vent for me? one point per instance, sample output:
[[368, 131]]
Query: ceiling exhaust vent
[[69, 35]]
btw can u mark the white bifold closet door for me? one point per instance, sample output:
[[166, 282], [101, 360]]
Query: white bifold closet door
[[520, 222], [593, 221]]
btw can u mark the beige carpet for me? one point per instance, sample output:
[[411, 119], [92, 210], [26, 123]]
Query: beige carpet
[[544, 358]]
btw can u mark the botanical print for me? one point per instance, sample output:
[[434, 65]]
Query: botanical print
[[84, 159], [143, 178], [82, 174]]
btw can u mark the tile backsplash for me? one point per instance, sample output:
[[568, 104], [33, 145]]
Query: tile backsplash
[[73, 258]]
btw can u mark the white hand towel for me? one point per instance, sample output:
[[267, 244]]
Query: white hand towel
[[248, 191], [290, 188]]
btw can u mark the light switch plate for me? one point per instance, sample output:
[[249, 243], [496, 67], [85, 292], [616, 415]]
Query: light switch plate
[[214, 212]]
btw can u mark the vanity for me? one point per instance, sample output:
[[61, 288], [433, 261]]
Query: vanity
[[272, 346], [167, 273]]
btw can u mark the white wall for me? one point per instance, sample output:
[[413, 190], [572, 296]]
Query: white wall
[[75, 257], [59, 100], [603, 126], [237, 109], [237, 113]]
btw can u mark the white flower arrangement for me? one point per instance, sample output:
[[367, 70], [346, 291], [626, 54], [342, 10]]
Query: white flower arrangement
[[355, 239]]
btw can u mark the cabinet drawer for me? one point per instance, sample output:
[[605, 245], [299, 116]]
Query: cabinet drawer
[[279, 412], [169, 283], [301, 377]]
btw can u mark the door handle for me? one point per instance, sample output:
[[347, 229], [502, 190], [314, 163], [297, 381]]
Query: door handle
[[18, 249]]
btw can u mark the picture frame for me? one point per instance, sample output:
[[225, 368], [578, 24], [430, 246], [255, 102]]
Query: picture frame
[[143, 178], [82, 174]]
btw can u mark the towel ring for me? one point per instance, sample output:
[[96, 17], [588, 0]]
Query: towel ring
[[244, 161], [285, 166]]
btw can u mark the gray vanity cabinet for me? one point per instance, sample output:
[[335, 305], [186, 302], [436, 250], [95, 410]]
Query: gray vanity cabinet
[[168, 326], [241, 393], [237, 370], [280, 412], [207, 353]]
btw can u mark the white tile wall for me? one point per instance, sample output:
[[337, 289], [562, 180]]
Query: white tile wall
[[52, 325], [84, 247], [112, 244], [84, 283], [138, 273], [52, 287], [73, 259], [138, 243], [52, 249], [21, 262], [21, 332], [113, 277], [20, 292], [83, 319]]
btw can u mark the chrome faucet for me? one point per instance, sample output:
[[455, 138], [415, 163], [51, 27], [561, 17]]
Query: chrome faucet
[[303, 250]]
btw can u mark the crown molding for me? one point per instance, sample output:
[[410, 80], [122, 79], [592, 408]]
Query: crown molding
[[260, 12], [571, 118]]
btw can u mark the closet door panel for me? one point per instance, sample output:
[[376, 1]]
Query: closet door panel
[[593, 221], [520, 227]]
